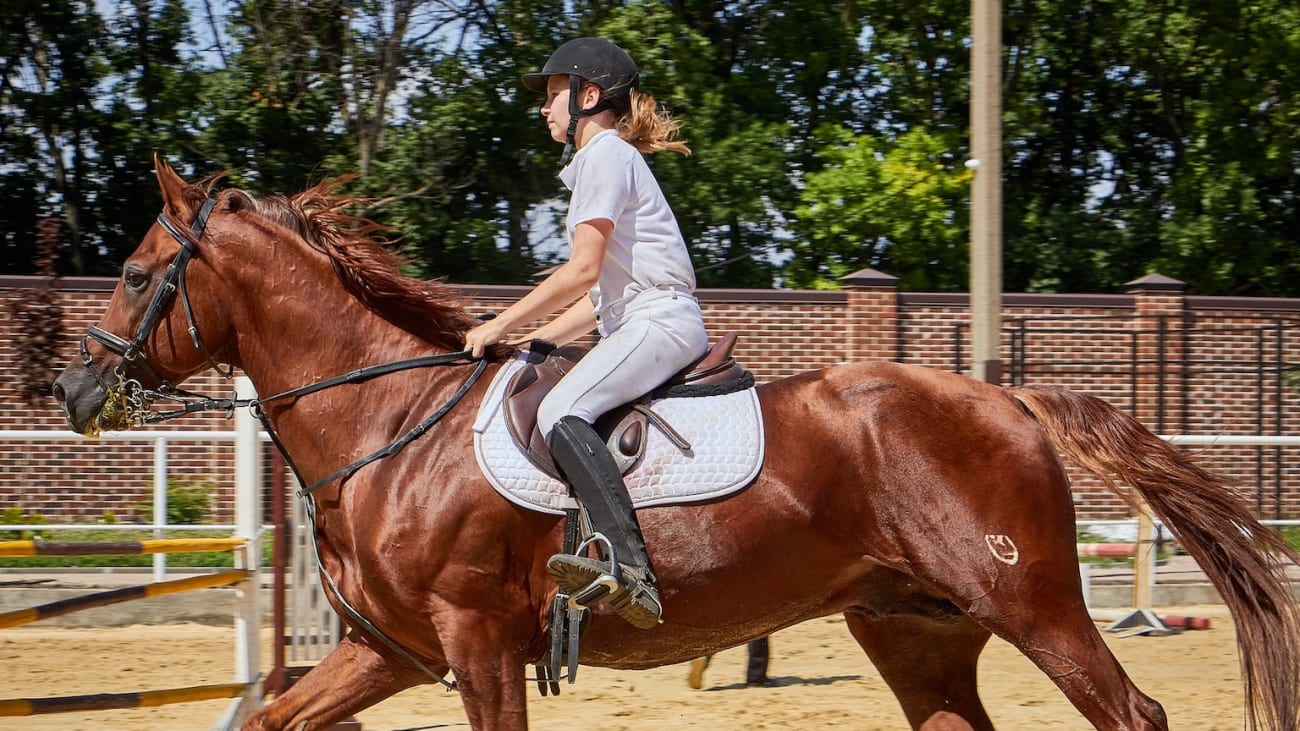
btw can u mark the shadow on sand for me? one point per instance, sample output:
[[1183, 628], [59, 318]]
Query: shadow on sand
[[783, 681]]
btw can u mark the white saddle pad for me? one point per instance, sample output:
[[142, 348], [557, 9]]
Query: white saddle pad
[[725, 433]]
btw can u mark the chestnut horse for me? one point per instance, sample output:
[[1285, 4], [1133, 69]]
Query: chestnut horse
[[930, 509]]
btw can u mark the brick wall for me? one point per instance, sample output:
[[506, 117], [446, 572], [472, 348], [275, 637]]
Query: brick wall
[[1194, 365]]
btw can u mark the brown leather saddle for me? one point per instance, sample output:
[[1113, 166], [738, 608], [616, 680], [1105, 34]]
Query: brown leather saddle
[[624, 429]]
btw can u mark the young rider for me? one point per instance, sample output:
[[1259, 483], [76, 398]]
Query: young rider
[[629, 275]]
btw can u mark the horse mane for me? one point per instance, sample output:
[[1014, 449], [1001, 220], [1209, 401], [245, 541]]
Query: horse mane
[[363, 259]]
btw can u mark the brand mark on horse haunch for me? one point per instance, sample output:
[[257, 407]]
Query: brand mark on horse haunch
[[1003, 548]]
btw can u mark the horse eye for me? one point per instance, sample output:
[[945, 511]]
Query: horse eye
[[135, 280]]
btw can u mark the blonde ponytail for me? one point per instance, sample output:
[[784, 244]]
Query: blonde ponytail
[[649, 128]]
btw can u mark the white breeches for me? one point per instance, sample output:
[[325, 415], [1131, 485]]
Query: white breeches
[[645, 342]]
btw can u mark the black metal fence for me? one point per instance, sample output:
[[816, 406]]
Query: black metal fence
[[1189, 373]]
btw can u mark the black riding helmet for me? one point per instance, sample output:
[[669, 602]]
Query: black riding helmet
[[595, 60]]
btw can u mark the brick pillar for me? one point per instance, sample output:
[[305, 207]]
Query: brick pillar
[[871, 319], [1159, 309]]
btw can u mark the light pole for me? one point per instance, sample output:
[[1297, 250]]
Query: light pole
[[986, 190]]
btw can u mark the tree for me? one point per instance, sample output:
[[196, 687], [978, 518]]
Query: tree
[[53, 61], [152, 107], [898, 206], [1139, 136]]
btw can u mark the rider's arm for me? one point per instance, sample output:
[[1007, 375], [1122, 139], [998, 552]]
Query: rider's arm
[[572, 324], [571, 280]]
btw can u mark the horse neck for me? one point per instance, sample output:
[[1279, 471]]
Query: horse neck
[[304, 328]]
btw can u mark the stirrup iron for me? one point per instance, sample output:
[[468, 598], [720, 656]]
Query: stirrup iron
[[605, 584]]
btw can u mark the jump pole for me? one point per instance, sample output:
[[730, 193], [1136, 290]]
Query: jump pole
[[118, 548], [63, 607]]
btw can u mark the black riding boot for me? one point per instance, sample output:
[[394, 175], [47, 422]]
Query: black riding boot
[[590, 469]]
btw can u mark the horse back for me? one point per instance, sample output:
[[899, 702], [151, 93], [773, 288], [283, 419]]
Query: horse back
[[894, 437]]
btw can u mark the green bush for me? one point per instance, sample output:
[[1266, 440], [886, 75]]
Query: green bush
[[18, 516], [189, 501], [1291, 533]]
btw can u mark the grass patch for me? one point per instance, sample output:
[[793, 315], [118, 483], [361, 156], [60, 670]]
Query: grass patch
[[1290, 533]]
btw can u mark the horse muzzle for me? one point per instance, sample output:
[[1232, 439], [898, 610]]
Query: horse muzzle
[[82, 397]]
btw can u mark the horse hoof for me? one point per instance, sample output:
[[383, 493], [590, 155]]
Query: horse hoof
[[696, 678]]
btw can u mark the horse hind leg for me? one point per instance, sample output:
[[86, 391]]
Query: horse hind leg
[[1067, 647], [354, 676], [929, 664], [1038, 607]]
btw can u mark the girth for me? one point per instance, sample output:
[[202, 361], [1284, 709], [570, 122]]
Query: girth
[[624, 429]]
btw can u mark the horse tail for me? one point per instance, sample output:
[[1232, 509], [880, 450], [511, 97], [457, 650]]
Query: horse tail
[[1244, 560]]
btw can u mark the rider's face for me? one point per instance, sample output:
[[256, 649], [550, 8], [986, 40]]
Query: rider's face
[[555, 110]]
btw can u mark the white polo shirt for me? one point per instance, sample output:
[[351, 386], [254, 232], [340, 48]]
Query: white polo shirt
[[610, 179]]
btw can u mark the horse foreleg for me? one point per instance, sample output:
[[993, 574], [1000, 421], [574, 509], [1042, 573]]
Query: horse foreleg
[[487, 653], [494, 694], [352, 677], [930, 666]]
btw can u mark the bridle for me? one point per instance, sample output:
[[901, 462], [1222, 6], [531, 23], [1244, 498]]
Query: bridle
[[133, 357], [129, 399]]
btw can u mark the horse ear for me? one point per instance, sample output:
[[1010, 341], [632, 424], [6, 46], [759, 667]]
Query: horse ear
[[173, 189]]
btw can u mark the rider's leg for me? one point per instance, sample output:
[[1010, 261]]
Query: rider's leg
[[643, 349], [588, 466]]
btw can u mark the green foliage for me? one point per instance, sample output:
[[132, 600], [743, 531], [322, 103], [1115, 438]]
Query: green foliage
[[189, 501], [18, 516], [1291, 534], [888, 205], [827, 136]]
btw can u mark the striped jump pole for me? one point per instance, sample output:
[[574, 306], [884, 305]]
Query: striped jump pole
[[117, 596], [119, 548], [111, 701], [1105, 550]]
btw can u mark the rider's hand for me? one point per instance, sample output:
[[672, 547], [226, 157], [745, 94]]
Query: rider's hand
[[482, 337]]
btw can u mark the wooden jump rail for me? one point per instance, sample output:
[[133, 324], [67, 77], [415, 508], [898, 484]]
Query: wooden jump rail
[[118, 548], [117, 596], [111, 701]]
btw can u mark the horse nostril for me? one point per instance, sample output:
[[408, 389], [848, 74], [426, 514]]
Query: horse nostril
[[59, 393]]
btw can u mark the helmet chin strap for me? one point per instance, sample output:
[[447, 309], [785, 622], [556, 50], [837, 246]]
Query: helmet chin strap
[[576, 113], [569, 142]]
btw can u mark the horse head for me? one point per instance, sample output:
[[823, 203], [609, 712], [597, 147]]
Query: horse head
[[288, 273], [151, 336]]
